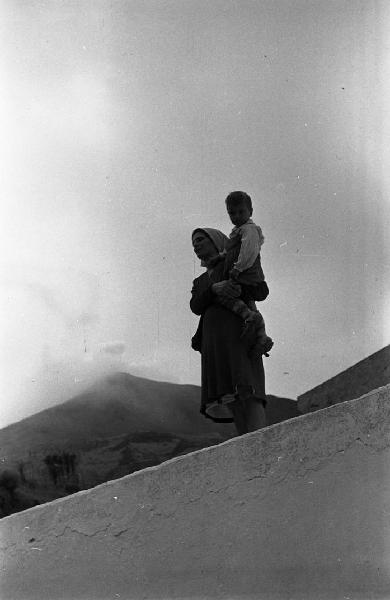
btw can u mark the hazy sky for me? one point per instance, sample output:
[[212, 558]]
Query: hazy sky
[[125, 124]]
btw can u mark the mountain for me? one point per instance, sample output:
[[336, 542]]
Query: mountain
[[280, 409], [117, 404], [121, 424]]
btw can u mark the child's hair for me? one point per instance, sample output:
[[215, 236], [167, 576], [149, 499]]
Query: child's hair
[[236, 198]]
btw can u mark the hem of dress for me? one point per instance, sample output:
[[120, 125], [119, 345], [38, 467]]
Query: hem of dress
[[216, 401]]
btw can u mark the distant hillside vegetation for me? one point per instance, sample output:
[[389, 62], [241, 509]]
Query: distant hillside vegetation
[[121, 424]]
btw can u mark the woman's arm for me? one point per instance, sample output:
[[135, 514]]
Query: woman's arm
[[204, 291], [201, 295]]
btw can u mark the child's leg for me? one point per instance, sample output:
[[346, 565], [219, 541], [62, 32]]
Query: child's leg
[[263, 342], [236, 305], [251, 316]]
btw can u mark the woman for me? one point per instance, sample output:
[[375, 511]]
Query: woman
[[232, 381]]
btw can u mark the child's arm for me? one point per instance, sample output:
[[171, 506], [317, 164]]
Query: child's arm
[[251, 241]]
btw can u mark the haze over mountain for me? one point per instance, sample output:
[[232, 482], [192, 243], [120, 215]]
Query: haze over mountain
[[117, 404]]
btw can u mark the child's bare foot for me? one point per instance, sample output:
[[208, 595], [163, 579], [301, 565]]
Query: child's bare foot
[[261, 347], [267, 345]]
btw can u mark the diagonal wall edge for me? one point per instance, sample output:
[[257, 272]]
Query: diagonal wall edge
[[298, 510]]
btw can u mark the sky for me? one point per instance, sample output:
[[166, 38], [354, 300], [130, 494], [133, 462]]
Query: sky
[[124, 125]]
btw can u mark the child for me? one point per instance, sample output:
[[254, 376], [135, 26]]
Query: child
[[243, 266]]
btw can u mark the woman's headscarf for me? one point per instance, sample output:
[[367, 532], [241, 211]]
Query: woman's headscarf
[[218, 238]]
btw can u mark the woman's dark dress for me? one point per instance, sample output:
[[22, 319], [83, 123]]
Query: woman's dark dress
[[225, 360]]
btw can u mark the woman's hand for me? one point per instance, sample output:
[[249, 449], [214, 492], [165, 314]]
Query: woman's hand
[[227, 288]]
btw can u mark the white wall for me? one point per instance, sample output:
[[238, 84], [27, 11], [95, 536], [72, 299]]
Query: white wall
[[298, 510]]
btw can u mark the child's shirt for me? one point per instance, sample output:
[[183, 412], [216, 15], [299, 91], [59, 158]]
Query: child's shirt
[[251, 238]]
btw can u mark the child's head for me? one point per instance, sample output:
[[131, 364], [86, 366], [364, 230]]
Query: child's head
[[239, 207]]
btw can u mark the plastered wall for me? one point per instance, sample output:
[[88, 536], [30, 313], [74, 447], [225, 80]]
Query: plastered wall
[[298, 510]]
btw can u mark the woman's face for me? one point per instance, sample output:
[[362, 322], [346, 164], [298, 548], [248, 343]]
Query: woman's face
[[203, 246]]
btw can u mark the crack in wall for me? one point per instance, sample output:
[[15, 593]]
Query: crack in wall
[[119, 533], [84, 534]]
